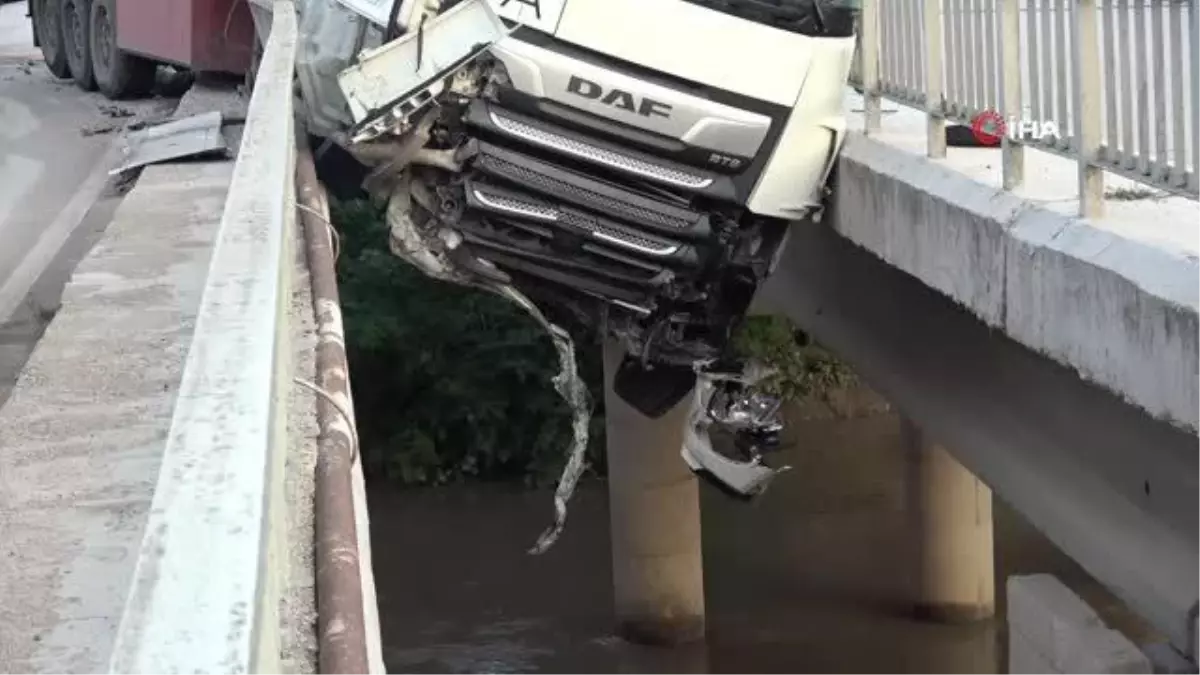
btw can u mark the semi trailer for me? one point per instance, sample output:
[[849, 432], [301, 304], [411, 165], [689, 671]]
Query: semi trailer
[[116, 46]]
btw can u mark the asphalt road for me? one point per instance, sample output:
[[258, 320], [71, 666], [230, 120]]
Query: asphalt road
[[57, 144]]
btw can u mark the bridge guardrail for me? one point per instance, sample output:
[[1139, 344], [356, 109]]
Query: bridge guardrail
[[206, 588], [1115, 80]]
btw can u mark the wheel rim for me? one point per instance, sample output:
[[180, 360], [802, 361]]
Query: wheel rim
[[102, 55]]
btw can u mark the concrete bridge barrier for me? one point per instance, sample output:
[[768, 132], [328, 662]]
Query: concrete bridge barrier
[[1057, 360], [210, 589]]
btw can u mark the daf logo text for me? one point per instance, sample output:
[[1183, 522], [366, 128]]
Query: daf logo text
[[646, 107]]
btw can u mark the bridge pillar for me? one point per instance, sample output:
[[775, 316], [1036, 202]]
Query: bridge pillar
[[950, 512], [654, 510]]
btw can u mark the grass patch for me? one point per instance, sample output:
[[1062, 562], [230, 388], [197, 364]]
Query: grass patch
[[1131, 194]]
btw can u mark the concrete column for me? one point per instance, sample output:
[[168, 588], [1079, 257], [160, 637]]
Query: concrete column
[[950, 512], [654, 507]]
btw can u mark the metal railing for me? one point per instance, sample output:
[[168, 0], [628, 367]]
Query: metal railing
[[1111, 84]]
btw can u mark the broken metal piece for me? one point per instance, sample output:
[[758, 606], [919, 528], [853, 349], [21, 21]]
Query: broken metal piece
[[433, 253], [572, 389], [198, 135], [392, 83], [732, 404]]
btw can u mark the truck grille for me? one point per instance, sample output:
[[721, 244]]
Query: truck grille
[[605, 221], [509, 202], [582, 196], [578, 149]]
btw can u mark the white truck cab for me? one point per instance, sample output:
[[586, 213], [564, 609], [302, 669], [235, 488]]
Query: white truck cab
[[634, 165]]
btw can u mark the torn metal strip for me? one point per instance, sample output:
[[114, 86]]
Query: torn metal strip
[[572, 389], [415, 247]]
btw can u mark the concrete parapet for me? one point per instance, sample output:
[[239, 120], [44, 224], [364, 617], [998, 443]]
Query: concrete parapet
[[1121, 312], [208, 587]]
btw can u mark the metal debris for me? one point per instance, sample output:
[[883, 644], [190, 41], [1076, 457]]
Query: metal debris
[[390, 93], [572, 389], [429, 254], [733, 404], [199, 135], [394, 82]]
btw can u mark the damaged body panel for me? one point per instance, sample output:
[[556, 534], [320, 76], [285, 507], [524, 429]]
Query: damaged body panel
[[643, 188]]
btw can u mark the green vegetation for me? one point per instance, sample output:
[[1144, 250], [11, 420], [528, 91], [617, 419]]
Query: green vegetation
[[804, 369], [454, 384], [1132, 194], [449, 383]]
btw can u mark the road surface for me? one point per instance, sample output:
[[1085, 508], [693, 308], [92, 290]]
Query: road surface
[[55, 197]]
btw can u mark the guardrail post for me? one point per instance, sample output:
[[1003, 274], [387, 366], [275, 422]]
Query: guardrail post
[[935, 104], [654, 510], [1088, 131], [1013, 150], [951, 518], [868, 41]]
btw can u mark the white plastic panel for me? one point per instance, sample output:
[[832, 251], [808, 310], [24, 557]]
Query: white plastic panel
[[547, 74], [540, 14], [376, 11], [792, 181], [386, 75], [693, 43]]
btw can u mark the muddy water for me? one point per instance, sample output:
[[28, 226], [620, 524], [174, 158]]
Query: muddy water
[[808, 579]]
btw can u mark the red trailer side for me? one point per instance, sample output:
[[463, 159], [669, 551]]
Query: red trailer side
[[203, 35]]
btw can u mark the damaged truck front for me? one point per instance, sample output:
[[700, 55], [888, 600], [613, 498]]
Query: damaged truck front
[[632, 165]]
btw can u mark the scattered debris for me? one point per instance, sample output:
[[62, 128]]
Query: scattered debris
[[196, 136], [119, 127], [98, 129], [115, 111]]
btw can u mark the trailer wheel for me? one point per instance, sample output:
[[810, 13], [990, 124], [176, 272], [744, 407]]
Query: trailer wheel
[[75, 40], [31, 11], [47, 25], [118, 73]]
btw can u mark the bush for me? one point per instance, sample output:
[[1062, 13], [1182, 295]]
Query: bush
[[449, 382], [452, 383], [804, 368]]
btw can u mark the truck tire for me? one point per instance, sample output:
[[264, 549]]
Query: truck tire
[[48, 25], [118, 73], [75, 41], [817, 18], [32, 15]]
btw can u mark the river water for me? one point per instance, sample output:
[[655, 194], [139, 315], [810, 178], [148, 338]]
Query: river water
[[807, 579]]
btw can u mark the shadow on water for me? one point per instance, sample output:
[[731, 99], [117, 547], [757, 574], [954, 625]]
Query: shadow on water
[[808, 579]]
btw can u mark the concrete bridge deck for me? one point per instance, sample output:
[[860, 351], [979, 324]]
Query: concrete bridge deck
[[1056, 356]]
